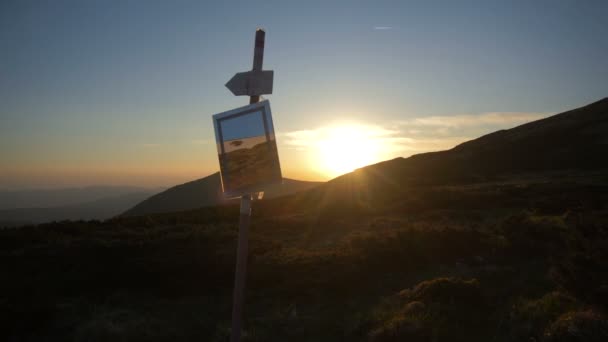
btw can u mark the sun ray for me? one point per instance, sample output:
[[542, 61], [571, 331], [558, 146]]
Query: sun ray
[[346, 148]]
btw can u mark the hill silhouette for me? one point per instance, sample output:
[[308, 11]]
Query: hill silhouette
[[205, 192], [576, 140]]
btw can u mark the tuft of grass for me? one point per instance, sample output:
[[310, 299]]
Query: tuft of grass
[[529, 318], [434, 310], [578, 326]]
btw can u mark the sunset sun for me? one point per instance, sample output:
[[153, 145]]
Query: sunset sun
[[346, 148]]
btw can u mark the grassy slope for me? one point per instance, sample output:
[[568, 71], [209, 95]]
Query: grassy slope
[[500, 261]]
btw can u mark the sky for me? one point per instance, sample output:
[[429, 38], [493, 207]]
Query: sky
[[122, 92]]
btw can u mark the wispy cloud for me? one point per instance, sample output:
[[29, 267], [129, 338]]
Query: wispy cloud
[[383, 28], [467, 120], [467, 125]]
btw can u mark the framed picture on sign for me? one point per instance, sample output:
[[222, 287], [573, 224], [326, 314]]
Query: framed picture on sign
[[247, 149]]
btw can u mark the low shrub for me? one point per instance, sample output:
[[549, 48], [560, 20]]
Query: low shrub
[[529, 318], [434, 310], [578, 326]]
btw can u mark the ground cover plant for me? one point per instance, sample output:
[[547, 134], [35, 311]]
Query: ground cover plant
[[490, 261]]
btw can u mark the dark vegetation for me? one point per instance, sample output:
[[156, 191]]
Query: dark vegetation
[[449, 270], [376, 255]]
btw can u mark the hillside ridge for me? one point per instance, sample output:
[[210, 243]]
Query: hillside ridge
[[205, 192]]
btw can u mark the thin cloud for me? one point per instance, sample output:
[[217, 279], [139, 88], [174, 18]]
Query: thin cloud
[[469, 120], [383, 28]]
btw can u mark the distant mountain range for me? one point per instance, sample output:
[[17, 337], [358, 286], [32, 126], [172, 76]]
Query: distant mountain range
[[99, 203], [96, 209], [100, 209], [48, 198], [206, 192]]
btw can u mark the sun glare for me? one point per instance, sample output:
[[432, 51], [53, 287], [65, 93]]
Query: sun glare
[[343, 149]]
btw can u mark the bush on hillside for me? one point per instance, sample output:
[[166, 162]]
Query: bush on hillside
[[578, 326], [529, 318], [438, 309], [532, 235]]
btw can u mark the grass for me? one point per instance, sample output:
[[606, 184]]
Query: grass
[[465, 263]]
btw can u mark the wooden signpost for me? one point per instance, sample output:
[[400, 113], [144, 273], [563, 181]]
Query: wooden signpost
[[251, 83], [257, 81]]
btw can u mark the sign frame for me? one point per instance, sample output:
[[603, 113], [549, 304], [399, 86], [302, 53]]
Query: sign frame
[[264, 108]]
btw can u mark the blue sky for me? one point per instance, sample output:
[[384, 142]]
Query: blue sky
[[122, 92]]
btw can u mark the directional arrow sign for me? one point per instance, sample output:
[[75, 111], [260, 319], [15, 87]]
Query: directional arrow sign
[[251, 83]]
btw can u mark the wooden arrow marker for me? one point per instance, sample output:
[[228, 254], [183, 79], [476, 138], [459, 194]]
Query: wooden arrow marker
[[257, 81], [251, 83]]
